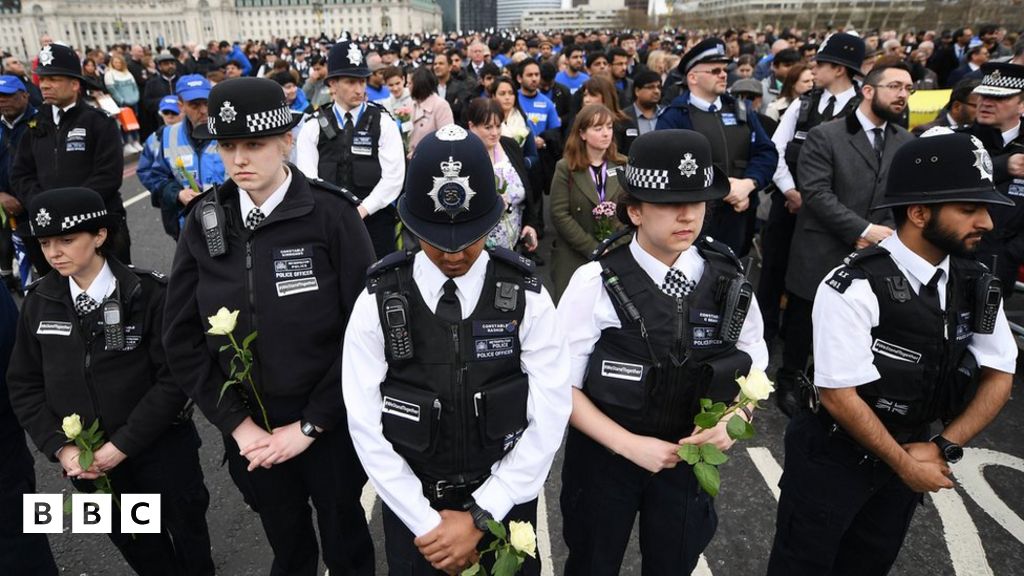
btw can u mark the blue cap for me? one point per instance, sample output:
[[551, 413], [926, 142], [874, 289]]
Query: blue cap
[[170, 104], [11, 85], [193, 87]]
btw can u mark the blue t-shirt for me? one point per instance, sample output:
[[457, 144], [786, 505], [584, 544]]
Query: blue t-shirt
[[375, 94], [540, 112], [501, 60], [573, 84]]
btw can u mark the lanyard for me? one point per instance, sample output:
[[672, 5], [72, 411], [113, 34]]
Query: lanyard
[[600, 178], [355, 119]]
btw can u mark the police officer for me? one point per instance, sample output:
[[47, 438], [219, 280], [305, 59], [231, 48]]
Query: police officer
[[289, 255], [89, 343], [70, 144], [173, 154], [356, 145], [835, 95], [637, 378], [454, 370], [739, 145], [906, 333]]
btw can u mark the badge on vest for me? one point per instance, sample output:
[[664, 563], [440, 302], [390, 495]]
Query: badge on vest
[[292, 287], [890, 350], [631, 133], [53, 328], [494, 348], [622, 370], [964, 326], [892, 407], [1016, 187], [706, 337], [292, 263], [491, 328], [362, 144], [132, 337], [728, 119], [400, 408]]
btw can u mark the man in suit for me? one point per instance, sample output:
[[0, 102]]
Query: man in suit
[[645, 108], [971, 68], [959, 111], [842, 172], [949, 58], [455, 92]]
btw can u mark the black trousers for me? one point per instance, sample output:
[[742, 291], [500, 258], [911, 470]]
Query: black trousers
[[601, 495], [798, 332], [404, 559], [23, 554], [170, 467], [381, 227], [839, 513], [329, 474], [778, 235]]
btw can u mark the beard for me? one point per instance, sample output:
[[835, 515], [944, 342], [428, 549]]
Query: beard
[[884, 112], [946, 240]]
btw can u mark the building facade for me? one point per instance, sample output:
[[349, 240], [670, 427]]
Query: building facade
[[510, 12], [812, 14]]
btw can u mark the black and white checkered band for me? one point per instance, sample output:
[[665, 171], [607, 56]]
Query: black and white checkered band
[[70, 221], [211, 125], [269, 120], [1002, 84], [709, 176], [648, 178]]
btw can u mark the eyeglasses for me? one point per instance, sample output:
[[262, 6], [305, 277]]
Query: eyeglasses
[[714, 71], [897, 87]]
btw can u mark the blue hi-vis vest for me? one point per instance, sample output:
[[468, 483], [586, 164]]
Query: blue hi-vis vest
[[208, 171]]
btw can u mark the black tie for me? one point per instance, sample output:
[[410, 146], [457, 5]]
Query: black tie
[[830, 109], [879, 144], [930, 291], [712, 109], [448, 307], [348, 120], [60, 115]]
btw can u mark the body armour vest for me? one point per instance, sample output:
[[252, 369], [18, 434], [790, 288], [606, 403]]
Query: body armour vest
[[729, 135], [348, 158], [455, 395], [650, 374], [809, 118], [919, 351]]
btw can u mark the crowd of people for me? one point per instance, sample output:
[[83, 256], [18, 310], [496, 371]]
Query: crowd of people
[[365, 216]]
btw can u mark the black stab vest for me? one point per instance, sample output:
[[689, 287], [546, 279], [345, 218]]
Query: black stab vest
[[809, 118], [730, 145], [339, 164]]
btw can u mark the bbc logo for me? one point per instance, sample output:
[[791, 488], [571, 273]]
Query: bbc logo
[[91, 513]]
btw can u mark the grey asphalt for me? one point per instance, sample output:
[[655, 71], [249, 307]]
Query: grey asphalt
[[746, 505]]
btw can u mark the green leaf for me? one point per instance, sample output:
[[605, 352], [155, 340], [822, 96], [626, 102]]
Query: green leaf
[[67, 505], [712, 455], [718, 408], [707, 477], [248, 340], [85, 459], [225, 347], [736, 428], [506, 564], [707, 420], [497, 529], [705, 403], [473, 570], [224, 389], [689, 453], [95, 426]]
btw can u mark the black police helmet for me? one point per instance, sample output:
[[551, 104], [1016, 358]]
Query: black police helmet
[[672, 166], [246, 108], [941, 166], [61, 211], [346, 59], [844, 50], [450, 199], [59, 60]]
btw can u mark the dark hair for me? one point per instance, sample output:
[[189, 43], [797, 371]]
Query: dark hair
[[490, 69], [645, 77], [616, 51], [899, 216], [391, 71], [454, 52], [521, 69], [572, 49], [987, 29], [885, 64], [962, 91], [493, 89], [789, 56], [283, 78], [1018, 48], [594, 57], [788, 90], [622, 204], [747, 59], [424, 83], [548, 71], [481, 110]]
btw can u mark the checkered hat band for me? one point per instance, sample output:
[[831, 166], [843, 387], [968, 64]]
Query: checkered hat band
[[70, 221], [1002, 81], [269, 120], [211, 125], [709, 176], [647, 178]]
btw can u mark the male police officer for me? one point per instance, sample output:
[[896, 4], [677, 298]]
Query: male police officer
[[739, 145], [71, 144], [454, 369], [356, 145], [173, 154], [905, 333]]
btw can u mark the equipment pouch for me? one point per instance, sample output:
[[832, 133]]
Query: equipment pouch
[[410, 416]]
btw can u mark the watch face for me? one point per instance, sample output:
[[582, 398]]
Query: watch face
[[953, 453]]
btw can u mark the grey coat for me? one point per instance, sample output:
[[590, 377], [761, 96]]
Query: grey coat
[[840, 180]]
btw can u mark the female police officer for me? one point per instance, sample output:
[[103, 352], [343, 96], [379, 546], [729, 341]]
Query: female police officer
[[89, 344], [655, 325], [290, 255]]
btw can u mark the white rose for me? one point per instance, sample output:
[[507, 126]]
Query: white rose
[[223, 323], [522, 538], [72, 426], [756, 385]]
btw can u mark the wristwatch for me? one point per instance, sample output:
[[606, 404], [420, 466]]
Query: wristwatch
[[480, 517], [310, 430], [951, 451]]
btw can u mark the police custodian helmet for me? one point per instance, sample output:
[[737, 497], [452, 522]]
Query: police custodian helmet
[[842, 49], [672, 166], [59, 60], [941, 166], [450, 199], [63, 211], [246, 108], [346, 59]]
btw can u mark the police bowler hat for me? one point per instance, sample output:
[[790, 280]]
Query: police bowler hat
[[346, 59], [450, 199], [246, 108], [61, 211], [672, 166], [941, 166]]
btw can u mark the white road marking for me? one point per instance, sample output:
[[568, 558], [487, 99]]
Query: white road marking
[[136, 198], [965, 550], [543, 537], [702, 568], [368, 499], [768, 467], [969, 472]]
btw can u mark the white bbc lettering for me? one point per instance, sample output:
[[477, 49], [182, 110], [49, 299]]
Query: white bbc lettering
[[41, 513], [140, 514], [91, 513]]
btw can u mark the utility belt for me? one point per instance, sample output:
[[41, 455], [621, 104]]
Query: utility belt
[[834, 431], [451, 494]]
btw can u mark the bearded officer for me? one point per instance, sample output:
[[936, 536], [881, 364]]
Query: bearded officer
[[454, 369], [356, 145], [906, 333]]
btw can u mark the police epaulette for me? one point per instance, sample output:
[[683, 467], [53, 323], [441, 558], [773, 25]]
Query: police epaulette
[[721, 248], [197, 200], [521, 263], [843, 276], [383, 109], [159, 277], [854, 258], [343, 192], [313, 116], [32, 285], [602, 247], [375, 273]]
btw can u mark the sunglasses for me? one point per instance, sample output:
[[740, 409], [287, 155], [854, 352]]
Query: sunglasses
[[714, 71]]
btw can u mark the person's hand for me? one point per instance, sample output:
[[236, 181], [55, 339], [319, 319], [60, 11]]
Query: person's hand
[[247, 433], [186, 195], [284, 444], [529, 236], [876, 233], [1015, 165], [925, 452], [107, 457], [739, 193], [10, 204], [540, 142], [68, 458], [925, 476], [651, 454], [451, 546], [718, 435], [793, 200], [363, 212]]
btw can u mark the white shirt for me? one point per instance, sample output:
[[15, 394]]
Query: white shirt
[[1011, 134], [390, 154], [516, 478], [869, 126], [843, 323], [702, 104], [103, 285], [245, 203], [56, 111], [786, 132], [586, 309]]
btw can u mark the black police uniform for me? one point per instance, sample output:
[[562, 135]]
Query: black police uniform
[[64, 364], [293, 278]]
